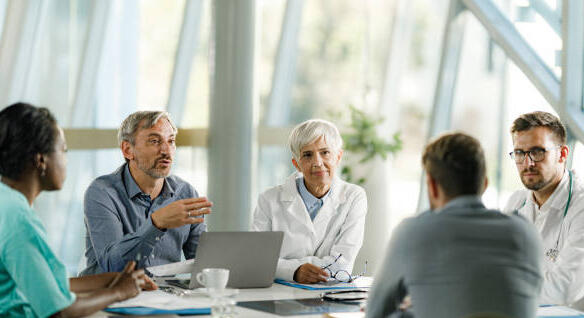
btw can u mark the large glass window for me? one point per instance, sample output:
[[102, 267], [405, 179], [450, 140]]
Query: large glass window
[[93, 63], [539, 22], [415, 93], [159, 24], [3, 6], [196, 111], [57, 57], [490, 93]]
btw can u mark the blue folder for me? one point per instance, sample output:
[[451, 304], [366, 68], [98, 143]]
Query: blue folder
[[314, 287], [155, 311]]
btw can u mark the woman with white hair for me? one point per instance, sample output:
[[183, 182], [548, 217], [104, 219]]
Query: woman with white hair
[[322, 216]]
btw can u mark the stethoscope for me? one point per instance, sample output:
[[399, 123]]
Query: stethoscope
[[553, 253]]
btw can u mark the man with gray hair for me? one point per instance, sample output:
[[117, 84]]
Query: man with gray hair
[[141, 212]]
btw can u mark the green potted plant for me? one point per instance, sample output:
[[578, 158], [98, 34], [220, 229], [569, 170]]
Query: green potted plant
[[361, 140]]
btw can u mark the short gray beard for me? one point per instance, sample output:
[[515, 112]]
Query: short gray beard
[[151, 171]]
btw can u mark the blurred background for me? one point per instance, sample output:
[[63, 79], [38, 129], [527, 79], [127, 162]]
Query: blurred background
[[236, 75]]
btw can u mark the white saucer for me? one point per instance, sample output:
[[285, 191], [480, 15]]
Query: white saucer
[[227, 292]]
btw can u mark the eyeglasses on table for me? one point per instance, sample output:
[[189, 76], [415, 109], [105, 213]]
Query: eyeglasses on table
[[342, 275]]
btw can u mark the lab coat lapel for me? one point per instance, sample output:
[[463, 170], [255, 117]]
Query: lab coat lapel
[[296, 207]]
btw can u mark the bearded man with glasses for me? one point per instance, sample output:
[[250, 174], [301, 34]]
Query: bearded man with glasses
[[553, 201]]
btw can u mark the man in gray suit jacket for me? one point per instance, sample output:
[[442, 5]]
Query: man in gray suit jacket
[[459, 259]]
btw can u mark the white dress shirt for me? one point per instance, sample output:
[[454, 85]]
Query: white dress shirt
[[337, 228], [564, 276]]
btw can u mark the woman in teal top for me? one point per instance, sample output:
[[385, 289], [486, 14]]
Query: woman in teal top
[[33, 282]]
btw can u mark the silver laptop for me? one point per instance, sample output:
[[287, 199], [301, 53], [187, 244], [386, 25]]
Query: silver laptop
[[251, 258]]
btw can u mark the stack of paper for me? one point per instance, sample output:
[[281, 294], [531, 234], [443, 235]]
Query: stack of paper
[[159, 302]]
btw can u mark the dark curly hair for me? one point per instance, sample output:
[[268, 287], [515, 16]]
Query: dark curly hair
[[25, 131]]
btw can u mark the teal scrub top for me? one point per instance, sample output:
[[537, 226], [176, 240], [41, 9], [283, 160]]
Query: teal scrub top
[[33, 282]]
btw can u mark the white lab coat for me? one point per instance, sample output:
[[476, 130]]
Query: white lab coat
[[564, 278], [338, 227]]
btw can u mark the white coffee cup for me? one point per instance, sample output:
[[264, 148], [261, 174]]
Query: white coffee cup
[[213, 278]]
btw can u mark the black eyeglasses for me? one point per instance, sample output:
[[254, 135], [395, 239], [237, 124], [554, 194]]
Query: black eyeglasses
[[536, 154], [342, 275]]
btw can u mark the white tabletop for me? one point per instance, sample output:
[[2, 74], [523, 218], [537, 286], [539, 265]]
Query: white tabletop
[[275, 292], [278, 292]]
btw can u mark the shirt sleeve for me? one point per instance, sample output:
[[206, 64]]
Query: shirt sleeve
[[192, 242], [39, 276], [113, 249], [347, 242], [389, 290]]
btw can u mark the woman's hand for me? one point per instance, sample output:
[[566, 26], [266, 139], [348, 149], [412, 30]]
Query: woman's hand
[[96, 292], [129, 282], [309, 274]]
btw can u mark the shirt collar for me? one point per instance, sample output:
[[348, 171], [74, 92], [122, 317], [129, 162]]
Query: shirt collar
[[133, 189], [463, 201], [309, 199]]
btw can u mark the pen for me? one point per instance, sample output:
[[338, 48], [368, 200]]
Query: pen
[[146, 271]]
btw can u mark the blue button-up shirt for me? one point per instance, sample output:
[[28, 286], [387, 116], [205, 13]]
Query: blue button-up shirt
[[119, 224], [312, 203]]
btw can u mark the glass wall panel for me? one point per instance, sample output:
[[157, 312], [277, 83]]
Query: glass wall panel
[[191, 165], [539, 22], [483, 85], [57, 57], [279, 161], [3, 6], [159, 31], [337, 63], [415, 93], [196, 114], [578, 157], [271, 16]]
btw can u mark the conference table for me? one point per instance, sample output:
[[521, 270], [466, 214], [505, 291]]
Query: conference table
[[275, 292]]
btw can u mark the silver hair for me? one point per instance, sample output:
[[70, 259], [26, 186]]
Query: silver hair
[[131, 124], [309, 131]]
